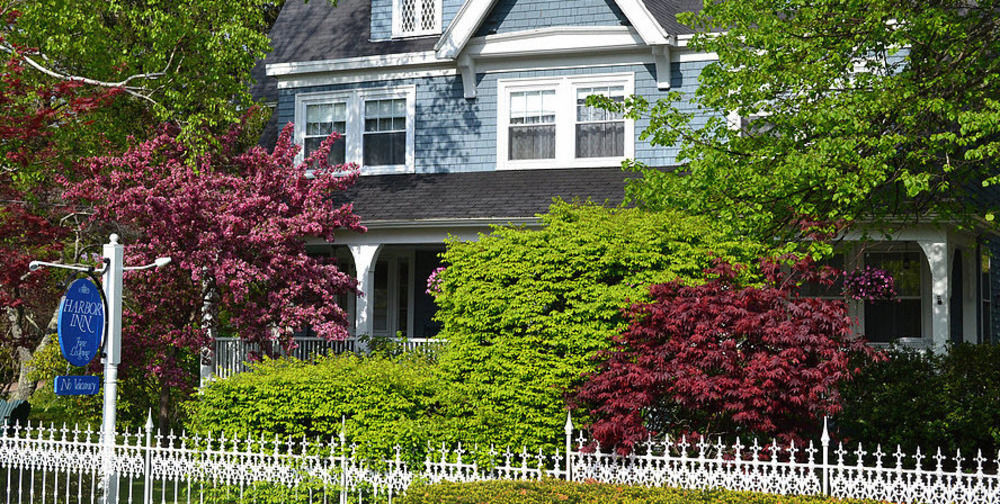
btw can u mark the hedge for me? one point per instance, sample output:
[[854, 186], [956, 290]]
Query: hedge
[[949, 400], [563, 492], [383, 401]]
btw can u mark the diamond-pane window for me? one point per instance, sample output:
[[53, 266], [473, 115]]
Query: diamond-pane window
[[416, 17]]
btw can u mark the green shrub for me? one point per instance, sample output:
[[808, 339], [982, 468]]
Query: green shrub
[[562, 492], [949, 400], [383, 401], [524, 311]]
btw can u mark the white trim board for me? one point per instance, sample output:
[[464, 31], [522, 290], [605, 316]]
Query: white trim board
[[554, 40], [381, 61], [633, 56]]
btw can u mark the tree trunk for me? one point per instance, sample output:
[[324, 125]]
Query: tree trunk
[[163, 411], [23, 354], [210, 323]]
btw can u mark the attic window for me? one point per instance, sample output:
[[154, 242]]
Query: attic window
[[411, 18]]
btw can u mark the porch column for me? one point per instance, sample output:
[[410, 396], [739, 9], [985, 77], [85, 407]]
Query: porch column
[[938, 258], [364, 264]]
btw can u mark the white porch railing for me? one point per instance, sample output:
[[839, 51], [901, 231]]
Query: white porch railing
[[232, 354], [52, 465]]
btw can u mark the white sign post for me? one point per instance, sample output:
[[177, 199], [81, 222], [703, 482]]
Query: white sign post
[[114, 255], [114, 267]]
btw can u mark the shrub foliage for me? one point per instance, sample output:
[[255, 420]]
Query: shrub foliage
[[719, 358], [525, 310], [949, 400], [383, 402], [563, 492]]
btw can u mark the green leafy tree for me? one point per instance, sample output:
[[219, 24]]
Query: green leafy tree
[[184, 61], [835, 111], [524, 311]]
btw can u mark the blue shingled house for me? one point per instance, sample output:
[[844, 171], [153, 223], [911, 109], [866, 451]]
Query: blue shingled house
[[468, 113]]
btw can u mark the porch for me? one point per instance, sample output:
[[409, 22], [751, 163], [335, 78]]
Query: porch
[[393, 307]]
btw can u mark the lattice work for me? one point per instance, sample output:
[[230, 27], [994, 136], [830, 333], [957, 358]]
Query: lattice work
[[416, 17], [408, 16], [428, 15]]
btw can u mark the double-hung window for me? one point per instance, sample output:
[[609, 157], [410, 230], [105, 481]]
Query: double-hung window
[[599, 133], [377, 127], [532, 124], [323, 119], [546, 123], [411, 18]]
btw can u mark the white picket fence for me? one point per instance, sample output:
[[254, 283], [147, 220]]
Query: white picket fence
[[61, 465]]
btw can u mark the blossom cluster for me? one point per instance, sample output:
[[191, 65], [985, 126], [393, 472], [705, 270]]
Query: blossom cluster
[[869, 284], [434, 281]]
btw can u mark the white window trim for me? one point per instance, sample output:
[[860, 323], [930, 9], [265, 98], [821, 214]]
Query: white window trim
[[397, 21], [355, 99], [565, 88]]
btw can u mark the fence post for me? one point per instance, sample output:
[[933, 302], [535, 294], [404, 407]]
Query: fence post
[[343, 461], [569, 444], [826, 457], [147, 491]]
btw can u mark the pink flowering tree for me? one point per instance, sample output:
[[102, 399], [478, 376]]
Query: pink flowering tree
[[235, 224]]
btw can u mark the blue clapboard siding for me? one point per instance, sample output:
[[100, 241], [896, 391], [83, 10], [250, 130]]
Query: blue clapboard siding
[[449, 8], [516, 15], [454, 134], [381, 27]]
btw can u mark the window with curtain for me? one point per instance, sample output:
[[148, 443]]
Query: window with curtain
[[546, 123], [599, 133], [532, 125], [322, 119]]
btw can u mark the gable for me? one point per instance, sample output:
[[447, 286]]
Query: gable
[[519, 15], [554, 14]]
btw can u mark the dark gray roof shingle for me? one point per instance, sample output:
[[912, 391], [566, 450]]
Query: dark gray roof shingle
[[666, 11], [317, 31], [480, 195]]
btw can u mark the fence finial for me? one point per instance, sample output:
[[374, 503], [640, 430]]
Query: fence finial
[[826, 432], [149, 419], [569, 423]]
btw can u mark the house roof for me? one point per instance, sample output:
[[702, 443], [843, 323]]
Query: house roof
[[496, 195], [317, 31], [666, 11]]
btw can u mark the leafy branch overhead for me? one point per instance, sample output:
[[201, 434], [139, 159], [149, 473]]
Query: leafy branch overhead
[[878, 112], [182, 61]]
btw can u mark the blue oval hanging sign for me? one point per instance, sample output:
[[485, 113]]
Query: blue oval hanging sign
[[81, 322]]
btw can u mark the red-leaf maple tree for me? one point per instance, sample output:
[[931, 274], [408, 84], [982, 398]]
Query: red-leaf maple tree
[[720, 358], [235, 224]]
